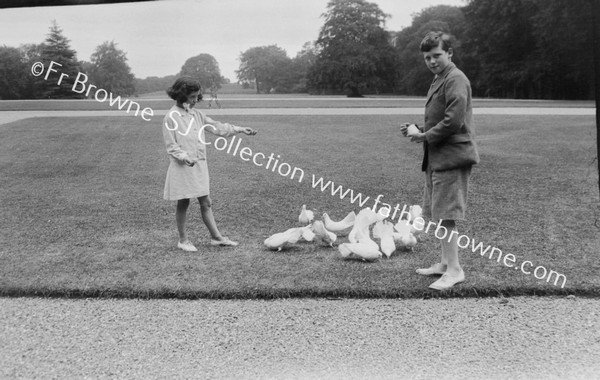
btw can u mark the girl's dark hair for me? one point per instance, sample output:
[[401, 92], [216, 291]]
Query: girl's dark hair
[[432, 40], [183, 87]]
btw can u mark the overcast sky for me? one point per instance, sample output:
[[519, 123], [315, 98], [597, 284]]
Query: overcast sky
[[160, 36]]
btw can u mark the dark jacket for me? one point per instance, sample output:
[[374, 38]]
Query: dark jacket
[[448, 124]]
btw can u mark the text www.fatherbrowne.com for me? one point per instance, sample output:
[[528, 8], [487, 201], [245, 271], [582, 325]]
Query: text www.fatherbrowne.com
[[385, 209]]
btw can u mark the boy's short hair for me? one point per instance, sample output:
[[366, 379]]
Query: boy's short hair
[[183, 87], [432, 40]]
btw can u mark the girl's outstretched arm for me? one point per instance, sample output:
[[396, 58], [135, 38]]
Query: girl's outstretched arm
[[225, 129]]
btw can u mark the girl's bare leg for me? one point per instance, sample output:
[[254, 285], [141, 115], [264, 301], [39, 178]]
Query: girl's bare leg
[[180, 217], [208, 217]]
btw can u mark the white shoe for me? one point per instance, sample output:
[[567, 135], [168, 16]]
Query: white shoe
[[432, 270], [224, 242], [187, 246], [446, 281]]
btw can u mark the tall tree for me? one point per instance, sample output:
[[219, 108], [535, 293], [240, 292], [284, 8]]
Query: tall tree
[[564, 54], [355, 54], [301, 65], [500, 35], [57, 48], [32, 53], [153, 83], [266, 66], [413, 76], [109, 70], [13, 73], [205, 68]]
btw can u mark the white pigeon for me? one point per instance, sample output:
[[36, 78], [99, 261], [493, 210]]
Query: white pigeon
[[306, 216], [307, 233], [403, 227], [366, 250], [415, 231], [385, 232], [282, 239], [404, 238], [359, 231], [364, 219], [383, 213], [415, 212], [340, 226], [378, 230], [322, 234], [406, 241]]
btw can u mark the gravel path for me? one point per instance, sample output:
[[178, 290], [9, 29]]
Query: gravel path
[[515, 338]]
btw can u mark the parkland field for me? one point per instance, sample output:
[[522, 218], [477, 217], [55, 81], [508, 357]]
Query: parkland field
[[83, 214]]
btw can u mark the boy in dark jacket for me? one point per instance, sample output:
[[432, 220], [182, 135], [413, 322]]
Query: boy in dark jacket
[[449, 153]]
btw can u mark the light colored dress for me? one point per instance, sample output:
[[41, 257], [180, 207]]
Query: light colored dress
[[184, 134]]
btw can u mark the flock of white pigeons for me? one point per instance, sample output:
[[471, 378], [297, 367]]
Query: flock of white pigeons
[[360, 245]]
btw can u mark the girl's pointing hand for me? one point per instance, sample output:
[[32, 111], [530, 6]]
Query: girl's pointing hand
[[246, 130]]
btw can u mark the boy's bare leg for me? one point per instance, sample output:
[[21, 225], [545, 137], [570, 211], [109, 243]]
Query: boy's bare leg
[[450, 249], [437, 268], [449, 260], [454, 273], [444, 258]]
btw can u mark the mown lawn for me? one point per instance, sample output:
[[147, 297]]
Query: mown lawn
[[160, 101], [83, 214]]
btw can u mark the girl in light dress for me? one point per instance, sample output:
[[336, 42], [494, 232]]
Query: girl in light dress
[[187, 176]]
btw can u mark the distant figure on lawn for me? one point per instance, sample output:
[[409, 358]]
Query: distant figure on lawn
[[187, 175], [214, 96], [449, 153]]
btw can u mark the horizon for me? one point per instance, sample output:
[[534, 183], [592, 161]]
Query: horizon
[[148, 41]]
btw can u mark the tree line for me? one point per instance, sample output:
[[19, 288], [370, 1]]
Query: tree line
[[107, 68], [537, 49], [530, 49]]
